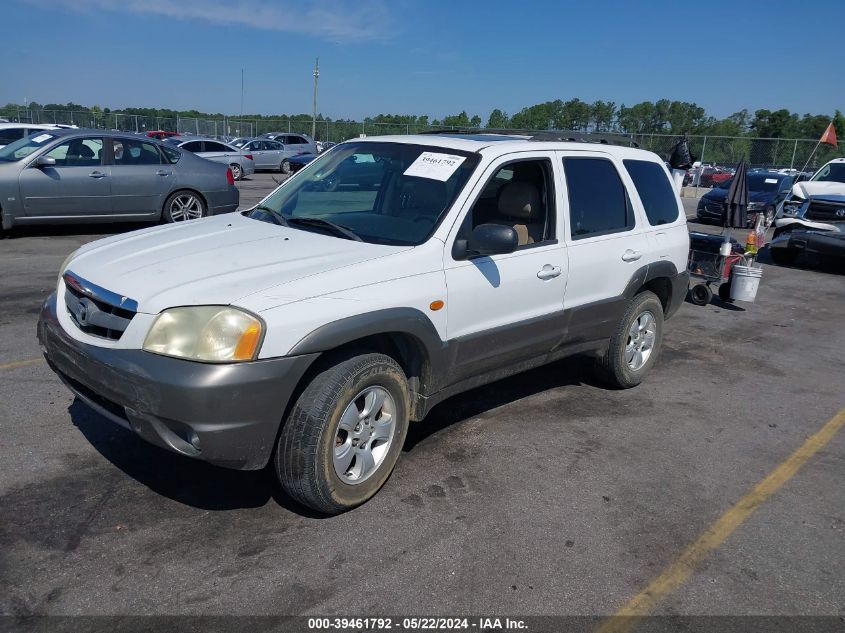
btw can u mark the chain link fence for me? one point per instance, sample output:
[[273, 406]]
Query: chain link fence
[[724, 151]]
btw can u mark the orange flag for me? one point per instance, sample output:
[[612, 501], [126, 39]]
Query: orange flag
[[829, 136]]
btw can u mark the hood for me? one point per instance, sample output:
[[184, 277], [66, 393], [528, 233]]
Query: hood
[[719, 195], [214, 261], [815, 188]]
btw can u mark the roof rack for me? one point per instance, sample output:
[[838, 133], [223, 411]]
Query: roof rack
[[572, 136]]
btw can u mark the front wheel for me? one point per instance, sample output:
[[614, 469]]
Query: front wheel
[[237, 171], [634, 347], [284, 167], [182, 206], [344, 434]]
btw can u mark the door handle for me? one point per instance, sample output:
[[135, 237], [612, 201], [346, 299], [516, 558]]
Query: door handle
[[96, 174], [161, 172], [548, 272], [631, 256]]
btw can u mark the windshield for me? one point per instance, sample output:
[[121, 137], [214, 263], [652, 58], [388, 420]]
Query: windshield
[[385, 193], [759, 182], [23, 147], [832, 172]]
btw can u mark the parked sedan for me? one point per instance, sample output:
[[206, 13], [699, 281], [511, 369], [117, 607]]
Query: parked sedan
[[766, 190], [238, 160], [300, 161], [299, 143], [269, 154], [63, 176]]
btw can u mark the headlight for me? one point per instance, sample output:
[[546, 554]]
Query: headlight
[[63, 267], [206, 333]]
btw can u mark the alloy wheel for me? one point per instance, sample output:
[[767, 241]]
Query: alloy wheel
[[641, 338], [364, 435]]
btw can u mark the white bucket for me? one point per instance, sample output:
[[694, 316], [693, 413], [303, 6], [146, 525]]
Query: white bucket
[[744, 282]]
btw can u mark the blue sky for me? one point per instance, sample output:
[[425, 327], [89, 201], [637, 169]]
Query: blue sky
[[423, 57]]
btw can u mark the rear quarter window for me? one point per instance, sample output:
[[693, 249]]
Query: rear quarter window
[[656, 192], [171, 154]]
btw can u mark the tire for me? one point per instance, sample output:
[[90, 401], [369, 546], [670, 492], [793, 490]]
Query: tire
[[725, 292], [700, 294], [333, 409], [183, 205], [237, 171], [784, 256], [628, 359], [284, 166]]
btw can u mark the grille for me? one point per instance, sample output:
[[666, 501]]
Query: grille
[[97, 311], [826, 211]]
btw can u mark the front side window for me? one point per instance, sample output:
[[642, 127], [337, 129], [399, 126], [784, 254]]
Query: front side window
[[384, 193], [78, 152], [519, 195], [22, 148], [132, 152], [656, 192], [598, 202]]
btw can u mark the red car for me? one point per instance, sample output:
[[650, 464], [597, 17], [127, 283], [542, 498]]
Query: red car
[[161, 134], [714, 176]]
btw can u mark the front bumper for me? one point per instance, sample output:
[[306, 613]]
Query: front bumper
[[824, 244], [225, 414]]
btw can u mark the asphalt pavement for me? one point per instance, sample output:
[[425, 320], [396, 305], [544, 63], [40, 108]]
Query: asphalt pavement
[[545, 493]]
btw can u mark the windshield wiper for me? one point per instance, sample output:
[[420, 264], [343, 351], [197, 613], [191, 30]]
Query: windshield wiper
[[277, 216], [337, 229]]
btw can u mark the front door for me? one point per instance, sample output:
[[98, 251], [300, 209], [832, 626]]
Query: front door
[[77, 186], [507, 308]]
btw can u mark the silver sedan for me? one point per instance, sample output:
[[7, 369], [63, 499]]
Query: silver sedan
[[65, 176], [238, 160], [270, 154]]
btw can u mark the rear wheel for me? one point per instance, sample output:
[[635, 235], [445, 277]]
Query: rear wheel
[[344, 434], [635, 345], [183, 205], [237, 171]]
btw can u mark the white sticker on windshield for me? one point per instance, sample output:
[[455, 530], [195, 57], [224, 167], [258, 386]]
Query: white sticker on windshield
[[772, 181], [435, 166], [41, 138]]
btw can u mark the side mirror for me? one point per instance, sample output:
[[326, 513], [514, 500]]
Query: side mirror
[[491, 239], [45, 161]]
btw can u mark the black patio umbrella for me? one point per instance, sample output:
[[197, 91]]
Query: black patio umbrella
[[736, 202]]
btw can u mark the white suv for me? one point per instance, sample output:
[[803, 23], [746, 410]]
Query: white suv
[[313, 328]]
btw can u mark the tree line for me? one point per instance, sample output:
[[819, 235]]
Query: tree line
[[649, 117]]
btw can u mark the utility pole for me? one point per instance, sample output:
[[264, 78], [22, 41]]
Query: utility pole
[[314, 117], [242, 93]]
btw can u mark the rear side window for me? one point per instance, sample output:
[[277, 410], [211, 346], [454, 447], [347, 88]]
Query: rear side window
[[598, 202], [172, 155], [211, 146], [132, 152], [655, 191], [193, 146]]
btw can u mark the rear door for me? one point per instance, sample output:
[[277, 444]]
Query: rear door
[[77, 186], [275, 154], [662, 211], [605, 240], [141, 180]]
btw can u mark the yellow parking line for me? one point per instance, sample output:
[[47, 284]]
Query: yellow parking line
[[21, 363], [676, 574]]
